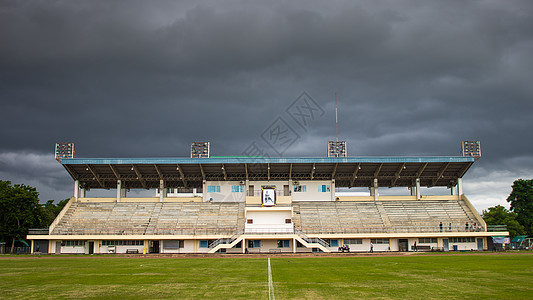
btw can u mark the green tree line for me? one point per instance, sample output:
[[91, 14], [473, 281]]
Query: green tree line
[[519, 218], [20, 210]]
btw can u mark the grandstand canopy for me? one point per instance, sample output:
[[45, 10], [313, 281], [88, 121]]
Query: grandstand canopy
[[94, 173]]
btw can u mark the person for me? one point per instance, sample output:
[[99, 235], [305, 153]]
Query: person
[[347, 248], [466, 226], [415, 248], [450, 227], [341, 249], [440, 226], [371, 247]]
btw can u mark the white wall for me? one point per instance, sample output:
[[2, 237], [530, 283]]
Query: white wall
[[312, 193], [225, 195], [268, 221]]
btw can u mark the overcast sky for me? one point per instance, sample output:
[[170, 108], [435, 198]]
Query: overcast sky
[[145, 78]]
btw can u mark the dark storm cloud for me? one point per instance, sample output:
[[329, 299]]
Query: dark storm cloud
[[144, 78]]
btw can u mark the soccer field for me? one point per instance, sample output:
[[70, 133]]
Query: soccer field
[[416, 276]]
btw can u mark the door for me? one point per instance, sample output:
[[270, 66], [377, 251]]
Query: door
[[251, 190], [58, 247], [480, 244], [403, 245], [155, 247], [91, 247], [286, 190], [445, 245]]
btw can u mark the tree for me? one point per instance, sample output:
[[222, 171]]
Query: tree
[[49, 211], [499, 215], [19, 210], [521, 200]]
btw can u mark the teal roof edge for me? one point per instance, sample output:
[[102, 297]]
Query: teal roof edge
[[240, 160]]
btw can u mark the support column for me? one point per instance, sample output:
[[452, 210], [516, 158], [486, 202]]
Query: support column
[[376, 193], [293, 245], [451, 191], [243, 245], [161, 190], [194, 192], [31, 247], [412, 191], [83, 193], [459, 187], [119, 188], [333, 190], [76, 189], [417, 188]]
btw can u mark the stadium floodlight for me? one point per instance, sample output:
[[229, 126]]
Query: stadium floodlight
[[64, 150], [200, 150], [471, 148], [337, 149]]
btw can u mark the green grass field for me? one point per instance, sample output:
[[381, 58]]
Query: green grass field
[[414, 277]]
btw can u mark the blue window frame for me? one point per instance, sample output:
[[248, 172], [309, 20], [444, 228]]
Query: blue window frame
[[204, 244], [324, 188], [334, 243], [237, 188], [213, 189]]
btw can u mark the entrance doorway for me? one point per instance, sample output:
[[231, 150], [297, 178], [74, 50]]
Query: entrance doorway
[[154, 246], [403, 245], [480, 244], [91, 247], [58, 247], [286, 190], [445, 245]]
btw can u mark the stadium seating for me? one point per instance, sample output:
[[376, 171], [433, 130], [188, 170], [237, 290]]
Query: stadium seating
[[151, 218], [382, 216]]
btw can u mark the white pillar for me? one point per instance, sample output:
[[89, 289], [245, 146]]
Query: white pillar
[[83, 193], [293, 245], [412, 190], [119, 188], [243, 245], [459, 187], [161, 190], [333, 190], [417, 189], [124, 193], [76, 189], [376, 192], [194, 192]]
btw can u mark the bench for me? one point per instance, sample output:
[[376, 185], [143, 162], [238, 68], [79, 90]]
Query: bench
[[421, 248], [132, 251], [275, 250]]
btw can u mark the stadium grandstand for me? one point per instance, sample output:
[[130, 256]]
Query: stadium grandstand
[[206, 204]]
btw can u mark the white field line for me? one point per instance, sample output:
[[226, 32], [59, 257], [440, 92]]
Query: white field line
[[270, 283]]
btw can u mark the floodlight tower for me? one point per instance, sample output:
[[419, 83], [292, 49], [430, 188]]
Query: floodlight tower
[[64, 150], [336, 148]]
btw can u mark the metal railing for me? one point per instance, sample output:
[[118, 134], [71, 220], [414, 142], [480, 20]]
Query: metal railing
[[493, 228], [226, 240], [269, 230], [388, 229], [311, 240], [38, 231]]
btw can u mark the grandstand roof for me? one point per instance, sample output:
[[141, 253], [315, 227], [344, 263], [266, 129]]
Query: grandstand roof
[[190, 172]]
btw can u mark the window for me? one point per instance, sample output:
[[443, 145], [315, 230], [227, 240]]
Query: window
[[74, 243], [176, 244], [324, 188], [213, 188], [254, 243], [379, 241], [249, 221], [462, 240], [283, 243], [204, 244], [300, 188], [122, 243], [237, 188], [427, 240], [334, 243], [288, 221], [353, 241]]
